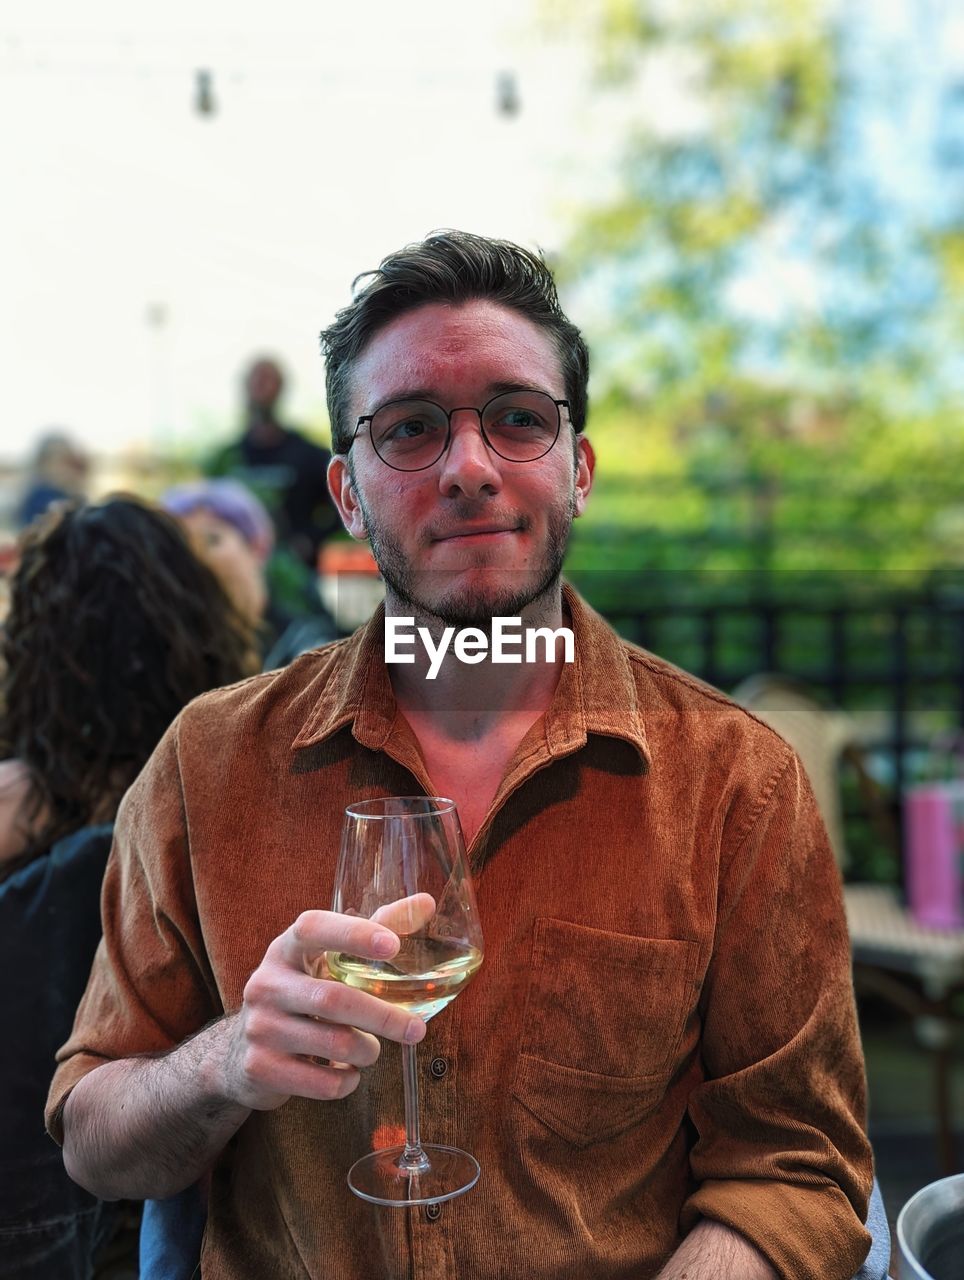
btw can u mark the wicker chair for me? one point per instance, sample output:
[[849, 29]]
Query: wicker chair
[[918, 970]]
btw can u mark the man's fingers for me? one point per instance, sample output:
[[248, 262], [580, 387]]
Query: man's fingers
[[407, 915], [309, 1037], [316, 931], [336, 1002], [275, 989], [281, 985], [305, 1079]]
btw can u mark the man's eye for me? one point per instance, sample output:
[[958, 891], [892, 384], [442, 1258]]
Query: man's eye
[[411, 430], [407, 429], [518, 418]]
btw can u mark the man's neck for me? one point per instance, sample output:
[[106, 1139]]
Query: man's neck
[[467, 703], [263, 428]]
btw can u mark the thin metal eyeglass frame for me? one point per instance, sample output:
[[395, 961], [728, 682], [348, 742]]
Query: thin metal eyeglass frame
[[368, 417]]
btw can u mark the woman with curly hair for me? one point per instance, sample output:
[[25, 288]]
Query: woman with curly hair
[[114, 625]]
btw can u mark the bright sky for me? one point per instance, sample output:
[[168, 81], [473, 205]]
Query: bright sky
[[146, 250]]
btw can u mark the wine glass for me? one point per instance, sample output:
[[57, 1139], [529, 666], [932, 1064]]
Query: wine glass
[[403, 864]]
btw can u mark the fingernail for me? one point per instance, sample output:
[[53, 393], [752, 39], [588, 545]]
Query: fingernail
[[414, 1031], [383, 943]]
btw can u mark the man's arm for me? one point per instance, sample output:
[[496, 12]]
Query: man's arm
[[712, 1251], [148, 1127], [781, 1154]]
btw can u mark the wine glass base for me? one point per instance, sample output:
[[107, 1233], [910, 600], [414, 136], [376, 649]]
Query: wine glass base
[[379, 1178]]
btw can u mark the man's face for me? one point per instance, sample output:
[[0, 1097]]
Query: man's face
[[263, 383], [474, 535]]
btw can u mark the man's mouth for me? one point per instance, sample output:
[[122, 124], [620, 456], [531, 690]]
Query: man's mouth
[[464, 532]]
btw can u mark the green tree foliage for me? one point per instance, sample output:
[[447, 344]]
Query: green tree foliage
[[777, 343]]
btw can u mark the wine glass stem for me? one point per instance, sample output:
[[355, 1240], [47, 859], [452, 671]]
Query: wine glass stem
[[413, 1158]]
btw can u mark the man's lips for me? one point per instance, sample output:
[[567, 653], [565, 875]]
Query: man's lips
[[475, 531]]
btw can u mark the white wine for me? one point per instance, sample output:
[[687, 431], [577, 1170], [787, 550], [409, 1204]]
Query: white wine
[[425, 975]]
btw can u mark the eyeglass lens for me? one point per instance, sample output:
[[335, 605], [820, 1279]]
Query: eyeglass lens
[[519, 426]]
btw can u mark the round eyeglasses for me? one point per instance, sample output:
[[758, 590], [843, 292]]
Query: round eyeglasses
[[410, 435]]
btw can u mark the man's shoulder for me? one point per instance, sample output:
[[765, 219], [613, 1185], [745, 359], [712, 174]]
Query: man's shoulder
[[675, 710], [223, 459], [671, 696], [674, 683], [275, 703]]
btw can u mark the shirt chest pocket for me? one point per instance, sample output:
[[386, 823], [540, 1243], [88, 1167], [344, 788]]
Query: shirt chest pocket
[[605, 1013]]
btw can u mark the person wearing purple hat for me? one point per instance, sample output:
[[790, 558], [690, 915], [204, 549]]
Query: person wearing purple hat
[[231, 531]]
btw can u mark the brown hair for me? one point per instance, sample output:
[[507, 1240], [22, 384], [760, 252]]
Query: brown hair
[[454, 267], [114, 625]]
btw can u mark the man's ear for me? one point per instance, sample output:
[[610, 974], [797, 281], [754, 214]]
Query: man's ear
[[342, 490], [585, 467]]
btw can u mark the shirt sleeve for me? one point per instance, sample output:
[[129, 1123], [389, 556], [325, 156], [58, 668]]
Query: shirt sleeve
[[781, 1155], [150, 986]]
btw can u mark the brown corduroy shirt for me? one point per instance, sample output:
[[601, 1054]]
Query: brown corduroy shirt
[[663, 1026]]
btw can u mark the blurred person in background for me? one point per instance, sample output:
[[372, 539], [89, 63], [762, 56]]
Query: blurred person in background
[[287, 471], [231, 531], [114, 625], [59, 469]]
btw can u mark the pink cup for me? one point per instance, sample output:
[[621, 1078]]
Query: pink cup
[[933, 848]]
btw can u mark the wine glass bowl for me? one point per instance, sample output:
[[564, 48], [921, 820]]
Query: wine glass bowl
[[403, 864]]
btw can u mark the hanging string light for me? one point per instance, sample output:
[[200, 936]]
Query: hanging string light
[[507, 94], [125, 59], [204, 103]]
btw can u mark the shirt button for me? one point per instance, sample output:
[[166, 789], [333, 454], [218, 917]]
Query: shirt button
[[438, 1067], [433, 1212]]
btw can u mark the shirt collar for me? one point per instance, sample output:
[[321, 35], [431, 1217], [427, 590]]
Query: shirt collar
[[355, 690], [596, 693]]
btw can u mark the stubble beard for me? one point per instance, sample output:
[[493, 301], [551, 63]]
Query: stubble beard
[[460, 606]]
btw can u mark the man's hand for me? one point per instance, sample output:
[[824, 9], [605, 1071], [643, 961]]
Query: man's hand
[[288, 1018], [148, 1127], [713, 1251]]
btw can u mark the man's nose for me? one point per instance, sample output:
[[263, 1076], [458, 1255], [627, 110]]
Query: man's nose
[[469, 465]]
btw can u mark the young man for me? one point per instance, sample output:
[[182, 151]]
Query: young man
[[657, 1065]]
